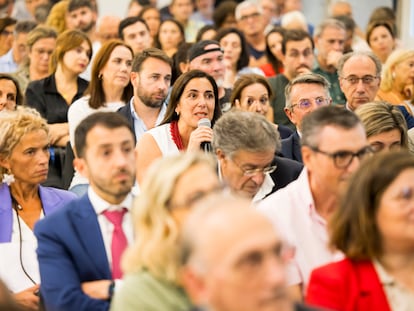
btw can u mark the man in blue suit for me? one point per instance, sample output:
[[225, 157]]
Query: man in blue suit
[[77, 258], [303, 94]]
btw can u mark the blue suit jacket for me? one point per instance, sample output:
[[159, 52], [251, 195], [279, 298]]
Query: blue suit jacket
[[52, 199], [71, 251], [291, 147]]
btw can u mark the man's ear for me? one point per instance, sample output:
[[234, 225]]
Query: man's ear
[[134, 77], [306, 155], [80, 166], [220, 154], [194, 285], [290, 115]]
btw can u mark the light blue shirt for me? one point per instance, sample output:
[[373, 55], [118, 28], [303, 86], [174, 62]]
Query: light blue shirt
[[139, 124], [7, 63]]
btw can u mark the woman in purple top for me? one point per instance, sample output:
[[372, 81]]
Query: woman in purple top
[[24, 161]]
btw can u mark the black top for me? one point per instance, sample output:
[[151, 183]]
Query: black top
[[43, 96], [278, 85]]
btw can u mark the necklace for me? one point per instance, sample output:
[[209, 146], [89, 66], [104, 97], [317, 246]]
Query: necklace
[[16, 205]]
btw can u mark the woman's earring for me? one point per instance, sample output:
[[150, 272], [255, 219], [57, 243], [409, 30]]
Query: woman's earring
[[100, 76], [8, 178]]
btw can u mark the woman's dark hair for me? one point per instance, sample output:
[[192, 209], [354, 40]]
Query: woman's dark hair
[[19, 95], [384, 14], [157, 43], [181, 56], [374, 25], [273, 60], [177, 92], [243, 60], [246, 80], [95, 88], [203, 30], [353, 226], [222, 11]]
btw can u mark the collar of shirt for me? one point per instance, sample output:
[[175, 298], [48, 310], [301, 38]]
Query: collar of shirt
[[100, 205], [137, 118]]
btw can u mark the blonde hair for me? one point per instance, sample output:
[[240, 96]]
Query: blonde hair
[[381, 117], [14, 125], [396, 57], [57, 16], [156, 245]]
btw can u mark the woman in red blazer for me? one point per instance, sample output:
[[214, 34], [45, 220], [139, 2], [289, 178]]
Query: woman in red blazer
[[374, 228]]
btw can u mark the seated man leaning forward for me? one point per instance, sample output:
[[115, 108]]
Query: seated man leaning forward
[[234, 268], [245, 144], [333, 143]]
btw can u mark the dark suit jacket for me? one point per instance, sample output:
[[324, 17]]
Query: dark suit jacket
[[287, 171], [291, 147], [126, 112], [347, 285], [71, 251]]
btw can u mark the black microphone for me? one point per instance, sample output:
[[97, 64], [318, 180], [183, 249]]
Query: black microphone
[[205, 145]]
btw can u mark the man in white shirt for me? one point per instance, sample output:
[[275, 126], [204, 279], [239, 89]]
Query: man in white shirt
[[151, 79], [79, 248], [333, 143]]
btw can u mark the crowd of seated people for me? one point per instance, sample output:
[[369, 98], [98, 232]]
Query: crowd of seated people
[[207, 155]]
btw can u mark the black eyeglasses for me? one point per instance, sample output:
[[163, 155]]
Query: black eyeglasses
[[367, 80], [342, 159]]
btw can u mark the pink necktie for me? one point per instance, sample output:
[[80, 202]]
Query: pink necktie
[[119, 240]]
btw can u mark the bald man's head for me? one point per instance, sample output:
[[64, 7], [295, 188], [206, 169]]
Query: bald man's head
[[232, 257]]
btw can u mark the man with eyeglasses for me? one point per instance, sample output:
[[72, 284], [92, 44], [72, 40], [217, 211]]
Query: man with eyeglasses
[[359, 78], [245, 144], [297, 49], [250, 20], [333, 144], [233, 259], [304, 94]]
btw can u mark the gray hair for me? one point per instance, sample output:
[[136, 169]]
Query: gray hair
[[347, 56], [248, 131], [329, 23], [307, 78], [293, 16], [314, 122], [244, 5]]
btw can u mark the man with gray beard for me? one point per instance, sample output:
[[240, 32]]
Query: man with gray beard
[[151, 79], [207, 56]]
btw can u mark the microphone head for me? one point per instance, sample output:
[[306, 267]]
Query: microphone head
[[204, 122]]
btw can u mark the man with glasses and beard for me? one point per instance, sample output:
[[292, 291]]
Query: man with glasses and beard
[[333, 144], [151, 79]]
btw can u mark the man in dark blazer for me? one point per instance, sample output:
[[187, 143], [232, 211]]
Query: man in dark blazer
[[77, 260], [151, 79], [245, 144], [304, 94]]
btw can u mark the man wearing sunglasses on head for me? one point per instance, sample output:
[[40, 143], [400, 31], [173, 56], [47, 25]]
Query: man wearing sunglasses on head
[[304, 94], [333, 144]]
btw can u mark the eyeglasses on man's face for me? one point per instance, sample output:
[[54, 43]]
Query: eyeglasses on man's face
[[367, 79], [306, 103], [343, 158], [250, 172]]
